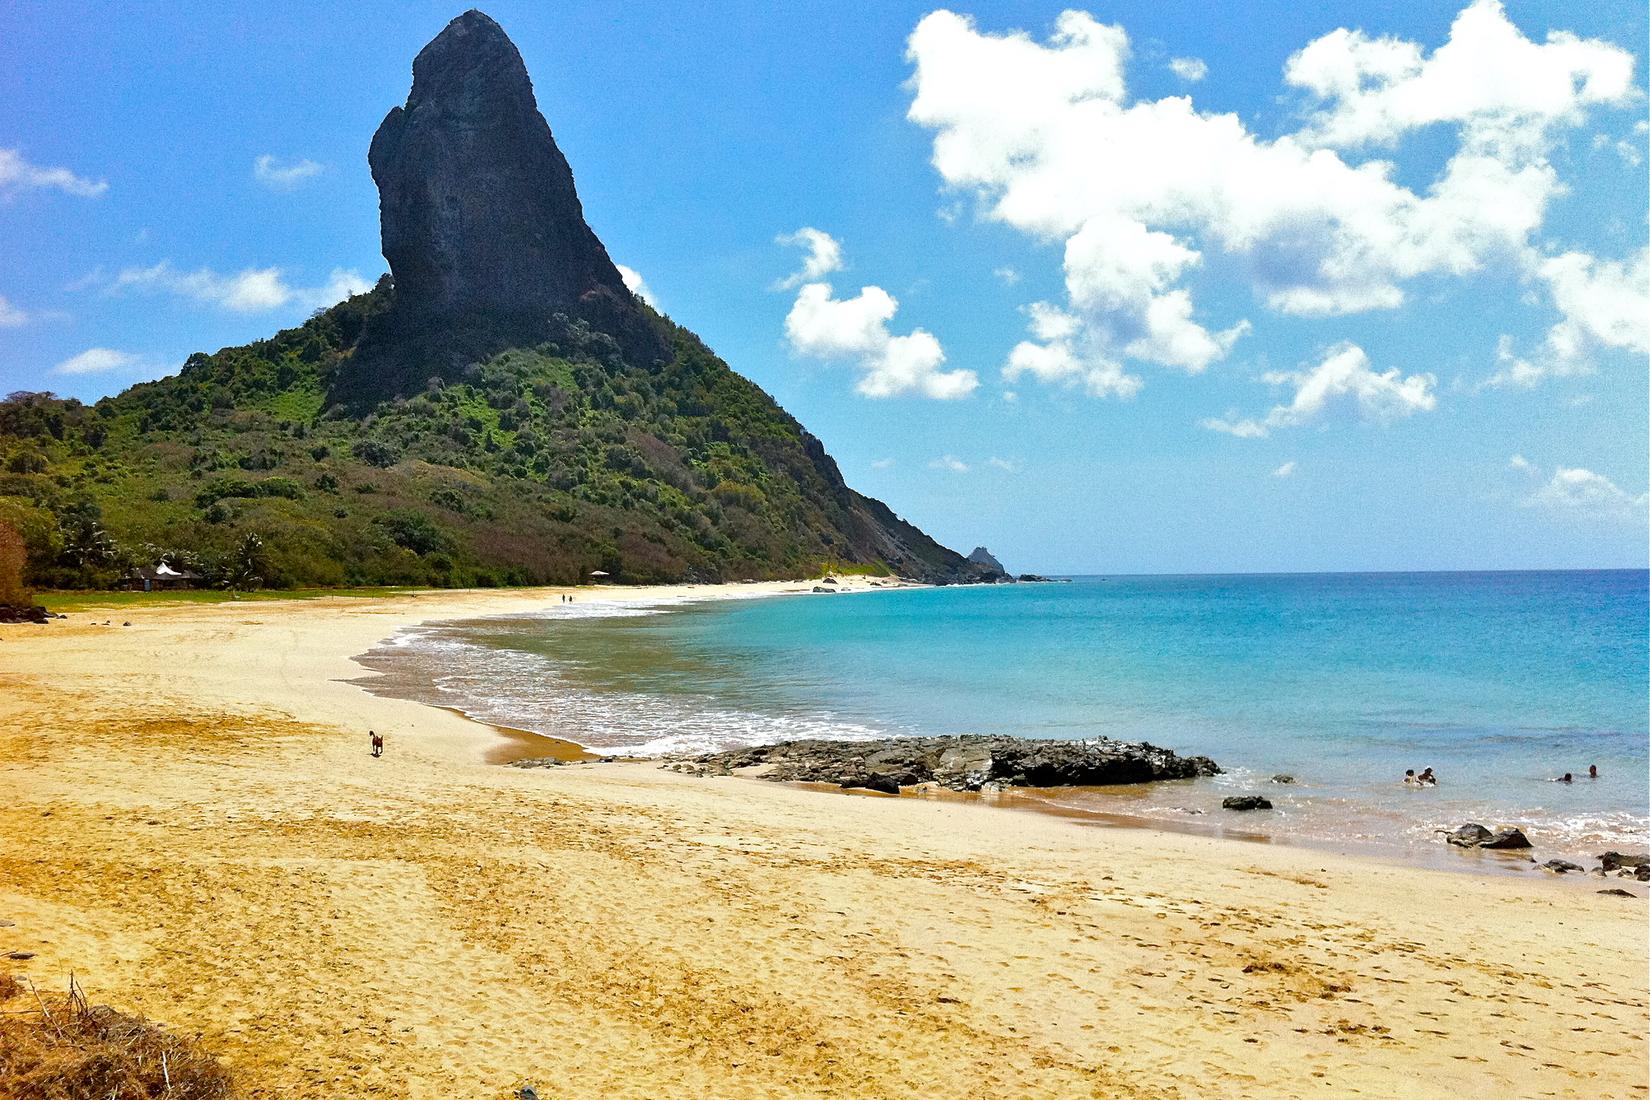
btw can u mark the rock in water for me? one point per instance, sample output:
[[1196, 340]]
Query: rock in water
[[479, 215], [1470, 835], [1246, 802], [982, 556]]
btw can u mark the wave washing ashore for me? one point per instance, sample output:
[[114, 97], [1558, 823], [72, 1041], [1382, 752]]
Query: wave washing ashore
[[1500, 682]]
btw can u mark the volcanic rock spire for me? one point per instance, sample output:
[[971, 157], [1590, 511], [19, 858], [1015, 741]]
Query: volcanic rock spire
[[480, 219]]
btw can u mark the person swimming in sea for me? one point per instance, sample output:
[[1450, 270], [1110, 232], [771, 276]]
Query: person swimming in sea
[[1592, 771], [1565, 778], [1409, 778], [1426, 778]]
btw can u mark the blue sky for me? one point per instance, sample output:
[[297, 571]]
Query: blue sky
[[1368, 300]]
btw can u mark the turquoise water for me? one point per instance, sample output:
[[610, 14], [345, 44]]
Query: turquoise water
[[1498, 681]]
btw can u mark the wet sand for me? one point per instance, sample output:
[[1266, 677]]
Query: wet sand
[[191, 822]]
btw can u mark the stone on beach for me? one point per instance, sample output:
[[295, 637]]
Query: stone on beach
[[1613, 860]]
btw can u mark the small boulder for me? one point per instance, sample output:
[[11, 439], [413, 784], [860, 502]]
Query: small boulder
[[1470, 835], [873, 781], [1612, 860], [1618, 892], [1245, 802], [1561, 866], [1283, 779], [1507, 838]]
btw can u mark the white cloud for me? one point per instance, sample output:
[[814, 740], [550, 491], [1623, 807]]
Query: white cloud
[[1502, 89], [1007, 465], [1189, 69], [882, 464], [949, 462], [11, 316], [1583, 493], [284, 177], [254, 290], [1343, 379], [1044, 137], [98, 361], [1006, 275], [1521, 464], [634, 283], [824, 326], [824, 255], [18, 175], [1602, 304], [1286, 470]]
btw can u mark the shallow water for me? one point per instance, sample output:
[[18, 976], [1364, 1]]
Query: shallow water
[[1499, 681]]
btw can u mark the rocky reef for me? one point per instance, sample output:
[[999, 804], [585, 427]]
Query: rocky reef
[[968, 763]]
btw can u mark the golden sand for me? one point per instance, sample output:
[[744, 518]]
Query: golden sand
[[192, 824]]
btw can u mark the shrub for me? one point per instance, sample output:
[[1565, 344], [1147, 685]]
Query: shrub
[[13, 556], [62, 1048]]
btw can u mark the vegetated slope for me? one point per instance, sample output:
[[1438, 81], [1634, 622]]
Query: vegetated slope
[[537, 464]]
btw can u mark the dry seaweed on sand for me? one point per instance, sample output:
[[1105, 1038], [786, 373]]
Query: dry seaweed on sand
[[65, 1048]]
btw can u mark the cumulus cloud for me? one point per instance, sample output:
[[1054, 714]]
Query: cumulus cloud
[[254, 290], [823, 326], [1521, 464], [1578, 492], [1343, 379], [1008, 276], [823, 256], [949, 462], [276, 176], [18, 175], [1189, 69], [1045, 138], [1007, 465], [98, 361], [1601, 303], [634, 283], [11, 316], [1286, 470]]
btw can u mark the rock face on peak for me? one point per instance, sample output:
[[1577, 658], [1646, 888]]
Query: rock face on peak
[[480, 218], [982, 556]]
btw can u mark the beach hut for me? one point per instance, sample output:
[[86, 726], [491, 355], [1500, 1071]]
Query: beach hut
[[161, 577]]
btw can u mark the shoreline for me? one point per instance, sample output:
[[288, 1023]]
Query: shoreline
[[192, 824], [1521, 866]]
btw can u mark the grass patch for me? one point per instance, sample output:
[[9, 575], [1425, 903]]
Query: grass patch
[[64, 1048]]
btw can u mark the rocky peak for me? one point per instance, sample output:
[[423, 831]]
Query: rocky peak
[[480, 218]]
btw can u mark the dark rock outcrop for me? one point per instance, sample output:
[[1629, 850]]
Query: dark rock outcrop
[[1613, 860], [23, 613], [481, 222], [967, 763], [1245, 802], [1473, 835]]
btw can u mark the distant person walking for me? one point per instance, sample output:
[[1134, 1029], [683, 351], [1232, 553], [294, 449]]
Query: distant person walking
[[377, 743]]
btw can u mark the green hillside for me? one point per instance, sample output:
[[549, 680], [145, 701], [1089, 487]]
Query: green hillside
[[270, 464]]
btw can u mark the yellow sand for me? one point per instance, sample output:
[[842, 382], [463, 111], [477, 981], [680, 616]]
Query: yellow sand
[[190, 822]]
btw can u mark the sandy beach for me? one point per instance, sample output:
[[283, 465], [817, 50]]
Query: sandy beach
[[191, 824]]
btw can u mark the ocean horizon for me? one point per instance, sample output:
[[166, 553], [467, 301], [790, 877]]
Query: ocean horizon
[[1501, 681]]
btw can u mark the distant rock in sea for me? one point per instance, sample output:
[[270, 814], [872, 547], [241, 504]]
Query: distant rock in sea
[[982, 556], [968, 763]]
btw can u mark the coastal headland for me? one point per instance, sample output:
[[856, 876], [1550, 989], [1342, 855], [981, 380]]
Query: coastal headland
[[191, 824]]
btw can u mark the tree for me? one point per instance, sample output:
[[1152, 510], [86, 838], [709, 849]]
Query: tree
[[248, 564]]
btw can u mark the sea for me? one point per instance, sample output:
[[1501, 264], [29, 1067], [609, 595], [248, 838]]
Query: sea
[[1500, 682]]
